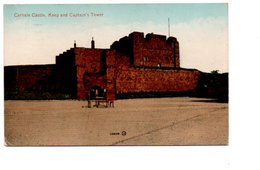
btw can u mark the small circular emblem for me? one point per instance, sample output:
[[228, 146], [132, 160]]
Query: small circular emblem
[[123, 133]]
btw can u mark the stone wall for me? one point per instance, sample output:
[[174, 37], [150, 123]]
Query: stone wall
[[110, 74], [155, 50], [131, 79], [65, 73], [90, 70], [150, 51], [112, 70], [29, 81], [133, 64], [28, 77], [156, 80]]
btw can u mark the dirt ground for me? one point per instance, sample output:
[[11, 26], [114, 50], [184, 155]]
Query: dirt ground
[[160, 121]]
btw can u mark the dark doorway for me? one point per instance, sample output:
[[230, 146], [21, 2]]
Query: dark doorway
[[96, 92]]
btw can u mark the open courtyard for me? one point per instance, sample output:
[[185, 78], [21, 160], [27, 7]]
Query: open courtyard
[[153, 121]]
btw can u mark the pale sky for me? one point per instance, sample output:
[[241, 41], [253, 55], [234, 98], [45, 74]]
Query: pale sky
[[201, 29]]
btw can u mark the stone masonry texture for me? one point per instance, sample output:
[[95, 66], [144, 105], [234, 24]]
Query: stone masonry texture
[[135, 63]]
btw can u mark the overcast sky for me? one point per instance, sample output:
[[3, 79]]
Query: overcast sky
[[32, 36]]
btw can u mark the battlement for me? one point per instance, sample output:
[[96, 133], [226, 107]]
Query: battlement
[[151, 37], [151, 50], [135, 63]]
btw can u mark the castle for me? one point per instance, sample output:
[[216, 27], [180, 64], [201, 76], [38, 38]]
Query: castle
[[134, 64]]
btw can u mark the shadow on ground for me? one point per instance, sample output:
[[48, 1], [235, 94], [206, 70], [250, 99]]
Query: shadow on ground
[[212, 100]]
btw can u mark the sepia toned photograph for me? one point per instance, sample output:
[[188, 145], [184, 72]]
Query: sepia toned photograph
[[116, 74]]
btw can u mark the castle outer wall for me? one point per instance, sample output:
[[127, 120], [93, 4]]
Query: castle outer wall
[[136, 80], [134, 64]]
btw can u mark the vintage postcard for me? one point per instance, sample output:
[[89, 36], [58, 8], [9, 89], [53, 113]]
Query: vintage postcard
[[116, 74]]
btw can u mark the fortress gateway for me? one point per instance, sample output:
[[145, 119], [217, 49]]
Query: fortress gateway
[[136, 64]]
